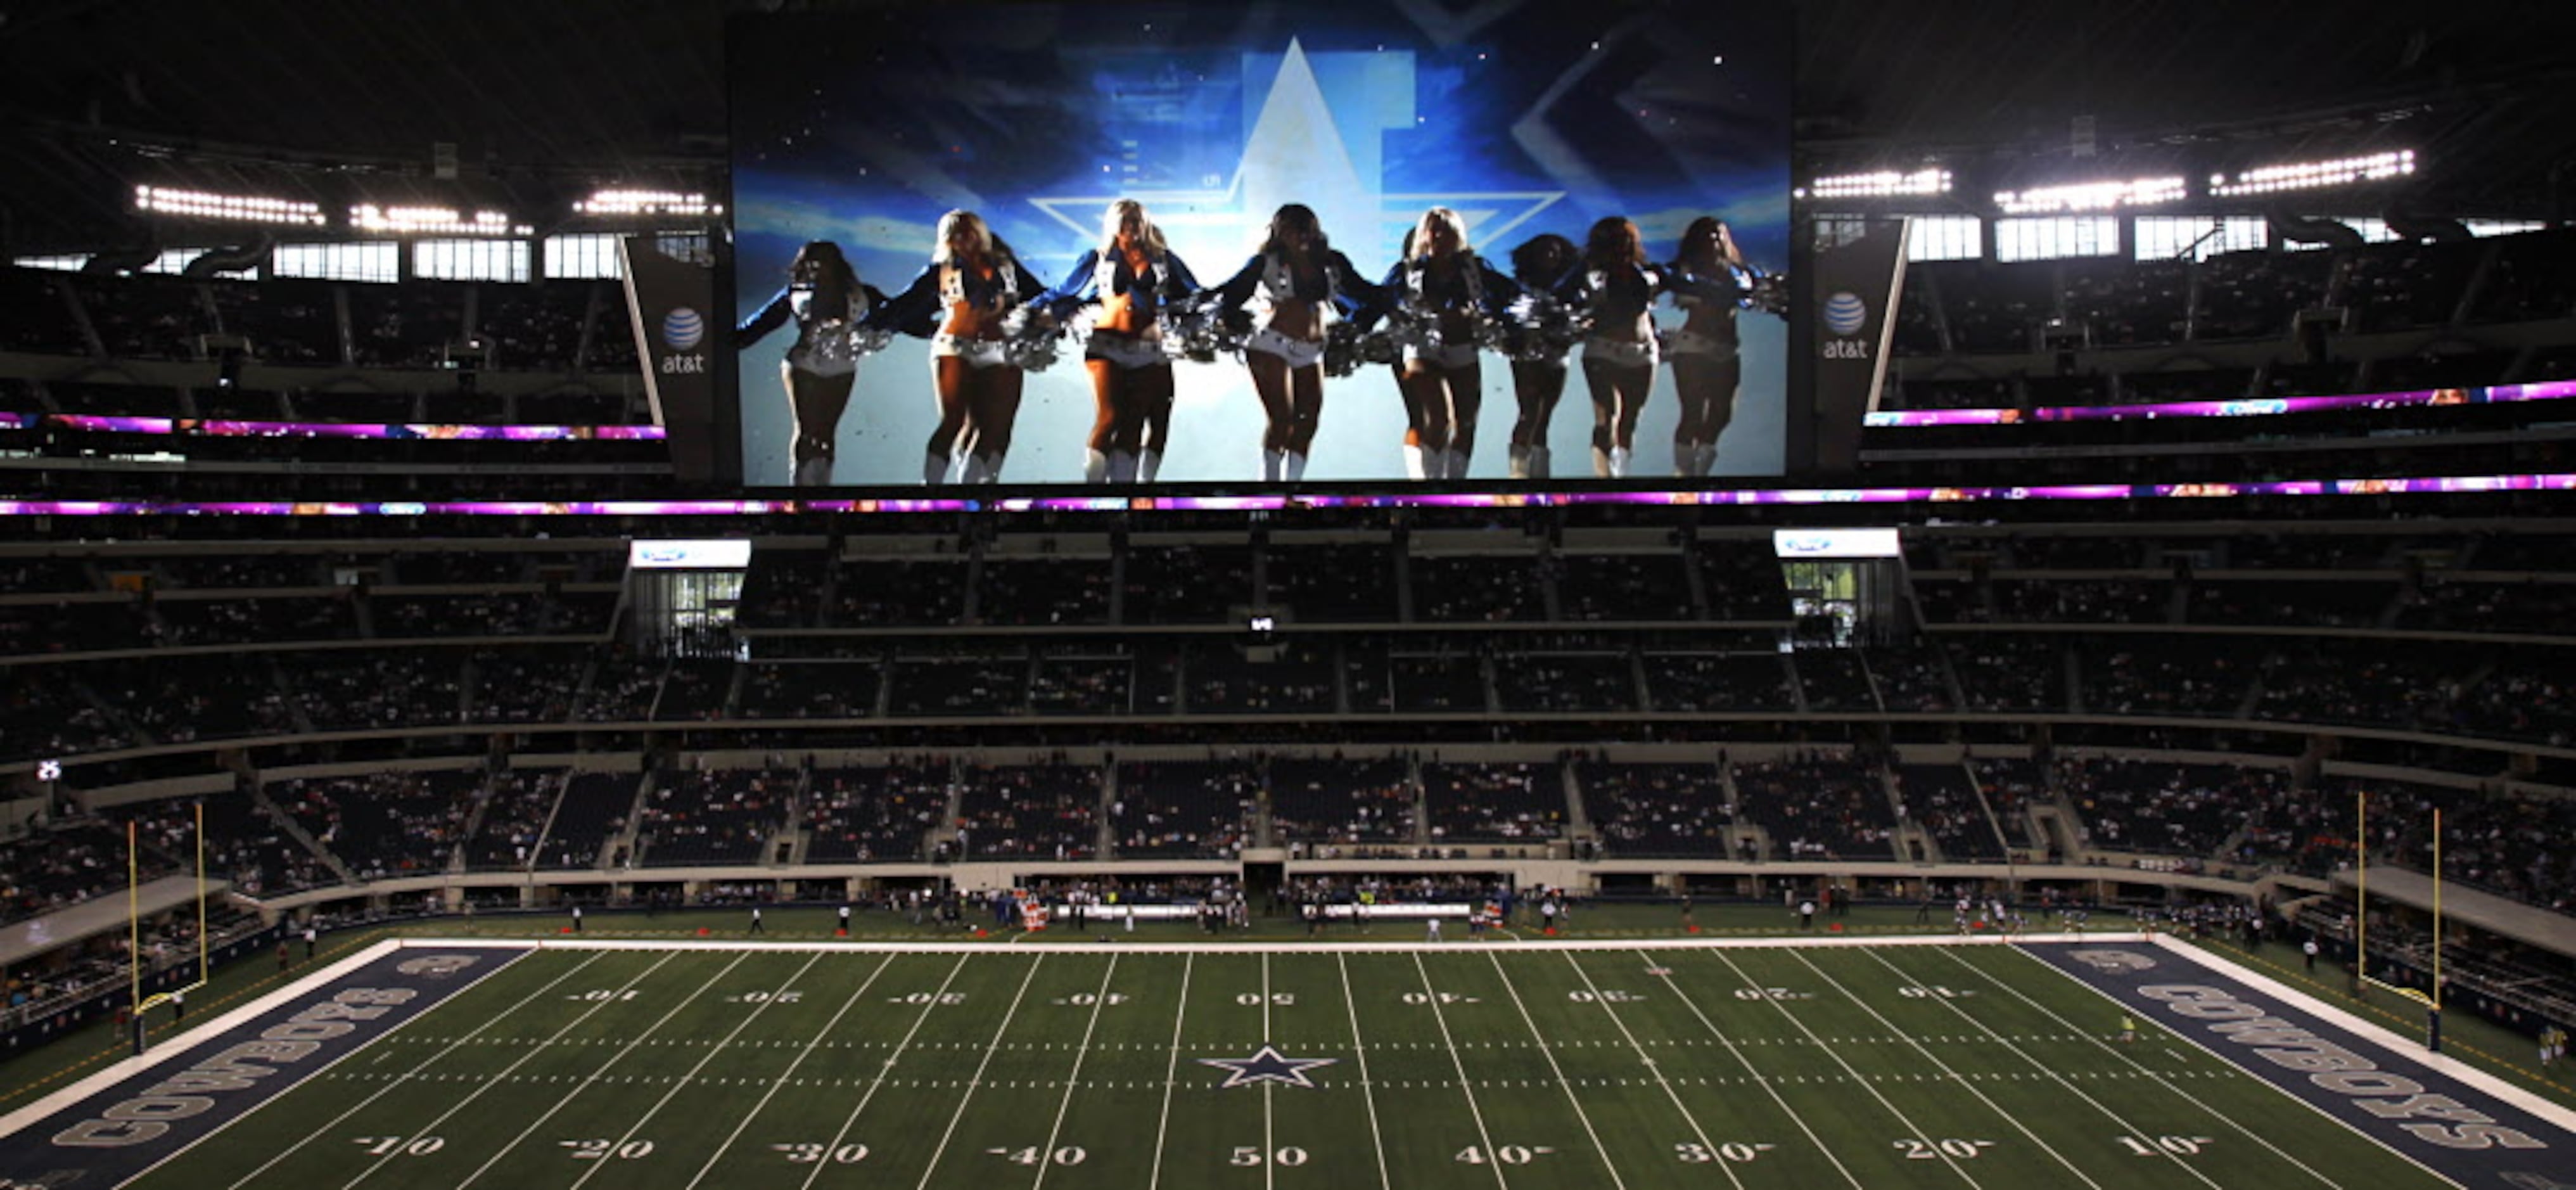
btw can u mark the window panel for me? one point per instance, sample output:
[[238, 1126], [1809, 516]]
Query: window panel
[[378, 261]]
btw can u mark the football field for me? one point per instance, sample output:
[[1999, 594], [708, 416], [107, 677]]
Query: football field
[[1775, 1064]]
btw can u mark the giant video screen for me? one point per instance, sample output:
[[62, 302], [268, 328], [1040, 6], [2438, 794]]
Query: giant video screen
[[1334, 242]]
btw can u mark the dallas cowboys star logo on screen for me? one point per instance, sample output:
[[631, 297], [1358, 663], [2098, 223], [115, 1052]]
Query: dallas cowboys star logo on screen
[[1267, 1066]]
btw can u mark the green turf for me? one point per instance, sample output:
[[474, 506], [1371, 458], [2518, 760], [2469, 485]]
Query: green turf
[[1469, 1066]]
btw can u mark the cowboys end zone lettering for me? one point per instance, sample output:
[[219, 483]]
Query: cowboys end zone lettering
[[125, 1124], [2465, 1126]]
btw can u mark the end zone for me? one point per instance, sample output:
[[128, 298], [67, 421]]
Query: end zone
[[2460, 1122], [143, 1110]]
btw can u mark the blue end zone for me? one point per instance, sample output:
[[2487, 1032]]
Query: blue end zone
[[120, 1130], [2390, 1095]]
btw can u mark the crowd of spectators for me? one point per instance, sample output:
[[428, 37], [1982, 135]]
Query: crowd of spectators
[[809, 690], [1493, 801], [1657, 810], [386, 824], [1042, 811], [1818, 806], [1331, 584], [2020, 309], [699, 817], [1281, 679], [61, 865], [1478, 588], [511, 822], [592, 809], [874, 813], [1049, 592], [2164, 807], [1565, 683], [1186, 584], [1202, 808], [1720, 682], [1942, 799], [1324, 805]]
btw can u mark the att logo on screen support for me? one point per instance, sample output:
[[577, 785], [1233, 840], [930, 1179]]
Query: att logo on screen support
[[1846, 349], [684, 365]]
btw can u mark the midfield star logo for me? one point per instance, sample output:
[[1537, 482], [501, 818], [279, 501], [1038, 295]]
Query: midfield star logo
[[1267, 1066]]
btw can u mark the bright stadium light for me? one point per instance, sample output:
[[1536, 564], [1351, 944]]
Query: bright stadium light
[[234, 208], [2311, 175], [437, 220], [646, 202], [2091, 196], [1884, 184]]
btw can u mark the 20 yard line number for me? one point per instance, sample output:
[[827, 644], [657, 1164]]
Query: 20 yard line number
[[1933, 1149], [607, 1150]]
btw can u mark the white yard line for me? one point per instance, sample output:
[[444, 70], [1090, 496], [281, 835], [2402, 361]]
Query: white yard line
[[1855, 1075], [1171, 1073], [586, 1083], [1269, 1119], [852, 1120], [972, 1085], [1549, 1052], [1464, 1086], [781, 1080], [497, 1079], [1953, 1075], [1749, 1068], [683, 1083], [1099, 1000], [423, 1064], [2157, 1077], [1724, 1166], [1368, 1091], [2044, 1068]]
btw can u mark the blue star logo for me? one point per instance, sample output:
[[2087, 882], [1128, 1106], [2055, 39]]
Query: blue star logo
[[1267, 1066]]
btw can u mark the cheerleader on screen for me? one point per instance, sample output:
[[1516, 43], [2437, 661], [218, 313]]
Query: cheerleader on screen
[[1447, 294], [973, 284], [1306, 282], [1616, 288], [1711, 282], [1133, 276], [825, 300]]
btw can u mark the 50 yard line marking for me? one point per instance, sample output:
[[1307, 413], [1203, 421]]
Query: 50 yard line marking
[[1964, 1084], [990, 1048], [2043, 1068], [1765, 1084], [1171, 1073], [423, 1064], [1099, 1000], [1464, 1087], [1836, 1055], [1549, 1052], [1269, 1140], [1368, 1090], [852, 1120], [781, 1080], [585, 1083], [1728, 1168], [712, 1051]]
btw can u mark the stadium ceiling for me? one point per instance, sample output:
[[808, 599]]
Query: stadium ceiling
[[2007, 88], [542, 100]]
